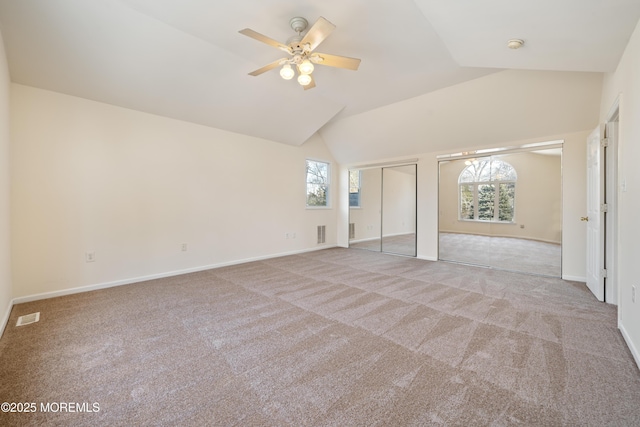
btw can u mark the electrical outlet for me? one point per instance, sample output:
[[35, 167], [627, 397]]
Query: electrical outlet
[[89, 256], [286, 235], [293, 235], [184, 247], [633, 294]]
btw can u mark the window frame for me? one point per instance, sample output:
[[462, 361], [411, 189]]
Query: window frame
[[359, 205], [475, 206], [327, 184]]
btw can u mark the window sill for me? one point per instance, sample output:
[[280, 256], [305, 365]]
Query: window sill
[[482, 221]]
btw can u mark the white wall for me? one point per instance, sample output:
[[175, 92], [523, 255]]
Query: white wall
[[6, 292], [573, 201], [625, 84], [493, 110], [133, 187]]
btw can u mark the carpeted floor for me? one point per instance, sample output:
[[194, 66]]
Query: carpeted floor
[[337, 337], [506, 253]]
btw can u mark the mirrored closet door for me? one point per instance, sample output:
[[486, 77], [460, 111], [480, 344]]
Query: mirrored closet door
[[399, 210], [503, 210], [365, 209], [382, 209]]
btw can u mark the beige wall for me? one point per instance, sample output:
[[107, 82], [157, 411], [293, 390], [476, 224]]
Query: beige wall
[[6, 293], [538, 206], [133, 187], [624, 84]]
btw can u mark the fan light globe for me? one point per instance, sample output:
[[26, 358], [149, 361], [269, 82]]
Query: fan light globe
[[287, 72], [304, 79], [306, 67]]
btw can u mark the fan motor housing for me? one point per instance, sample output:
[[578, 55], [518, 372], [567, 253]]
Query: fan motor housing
[[298, 24]]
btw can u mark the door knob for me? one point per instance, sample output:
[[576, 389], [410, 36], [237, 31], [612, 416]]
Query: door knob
[[584, 218]]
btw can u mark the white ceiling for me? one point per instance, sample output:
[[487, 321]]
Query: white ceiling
[[186, 60]]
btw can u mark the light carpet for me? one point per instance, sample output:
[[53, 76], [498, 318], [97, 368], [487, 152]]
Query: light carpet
[[336, 337]]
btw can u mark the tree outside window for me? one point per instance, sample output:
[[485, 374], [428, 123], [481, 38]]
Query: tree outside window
[[317, 183], [487, 191], [354, 188]]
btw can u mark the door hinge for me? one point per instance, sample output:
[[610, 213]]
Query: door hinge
[[604, 142], [603, 273], [604, 207]]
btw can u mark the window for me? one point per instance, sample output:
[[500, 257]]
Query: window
[[318, 174], [487, 191], [354, 189]]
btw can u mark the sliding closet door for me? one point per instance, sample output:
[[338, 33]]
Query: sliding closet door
[[464, 229], [399, 210], [503, 211], [365, 204]]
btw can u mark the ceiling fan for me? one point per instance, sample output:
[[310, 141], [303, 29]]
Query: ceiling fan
[[300, 49]]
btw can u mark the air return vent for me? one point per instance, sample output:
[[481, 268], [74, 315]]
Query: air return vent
[[28, 319], [352, 230], [321, 234]]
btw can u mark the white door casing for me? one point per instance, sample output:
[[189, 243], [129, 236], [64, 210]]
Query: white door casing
[[595, 225], [611, 199]]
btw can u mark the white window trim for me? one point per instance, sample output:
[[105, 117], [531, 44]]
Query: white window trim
[[496, 201], [329, 189]]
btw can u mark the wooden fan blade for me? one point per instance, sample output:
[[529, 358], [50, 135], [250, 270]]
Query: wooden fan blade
[[268, 67], [335, 61], [264, 39], [311, 85], [318, 32]]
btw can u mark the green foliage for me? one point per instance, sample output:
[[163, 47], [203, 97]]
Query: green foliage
[[506, 200], [482, 177], [317, 196], [486, 197], [466, 202]]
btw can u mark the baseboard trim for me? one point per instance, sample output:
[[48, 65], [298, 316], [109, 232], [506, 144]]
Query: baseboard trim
[[129, 281], [5, 319], [574, 278], [535, 239], [634, 351], [368, 239]]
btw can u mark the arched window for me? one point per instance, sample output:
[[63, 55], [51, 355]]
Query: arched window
[[487, 191]]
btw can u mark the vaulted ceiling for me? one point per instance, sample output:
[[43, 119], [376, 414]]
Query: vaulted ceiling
[[186, 60]]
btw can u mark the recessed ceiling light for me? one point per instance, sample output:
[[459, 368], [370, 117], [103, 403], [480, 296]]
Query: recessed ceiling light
[[515, 43]]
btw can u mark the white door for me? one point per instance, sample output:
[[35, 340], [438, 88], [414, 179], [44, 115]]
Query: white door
[[595, 231]]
